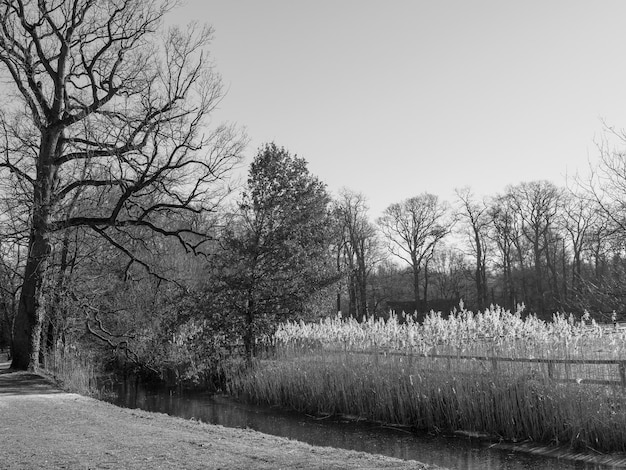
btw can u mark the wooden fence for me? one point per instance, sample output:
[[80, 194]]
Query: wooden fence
[[615, 368]]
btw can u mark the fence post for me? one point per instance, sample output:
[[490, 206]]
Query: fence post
[[494, 363], [550, 369], [622, 372]]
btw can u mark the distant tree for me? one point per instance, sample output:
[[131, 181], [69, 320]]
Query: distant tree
[[277, 247], [506, 234], [449, 273], [413, 228], [388, 282], [579, 216], [104, 104], [537, 204], [360, 249], [475, 215]]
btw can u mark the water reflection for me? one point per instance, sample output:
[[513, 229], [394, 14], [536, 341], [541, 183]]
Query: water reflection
[[452, 453]]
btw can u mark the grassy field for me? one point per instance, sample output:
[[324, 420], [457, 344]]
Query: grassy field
[[423, 375]]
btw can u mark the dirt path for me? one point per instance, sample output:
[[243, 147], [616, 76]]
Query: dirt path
[[42, 427]]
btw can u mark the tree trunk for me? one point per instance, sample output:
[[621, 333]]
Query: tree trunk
[[552, 260], [426, 287], [362, 284], [576, 272], [352, 288], [538, 277], [481, 288], [483, 274], [31, 308], [56, 314], [522, 270], [564, 283], [511, 292], [338, 301], [416, 286], [362, 296], [249, 333]]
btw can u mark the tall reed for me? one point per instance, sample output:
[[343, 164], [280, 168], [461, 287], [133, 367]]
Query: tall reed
[[321, 369], [74, 372]]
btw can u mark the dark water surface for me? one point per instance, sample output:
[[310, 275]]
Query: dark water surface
[[453, 453]]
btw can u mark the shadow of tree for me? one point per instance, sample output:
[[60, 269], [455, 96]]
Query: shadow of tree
[[23, 383]]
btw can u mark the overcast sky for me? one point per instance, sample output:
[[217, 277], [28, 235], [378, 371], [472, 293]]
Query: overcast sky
[[394, 98]]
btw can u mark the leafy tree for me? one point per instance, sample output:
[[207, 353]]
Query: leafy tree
[[277, 246], [111, 111]]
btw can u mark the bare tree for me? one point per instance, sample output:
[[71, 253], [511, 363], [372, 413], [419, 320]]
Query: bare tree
[[603, 192], [537, 205], [477, 221], [359, 243], [606, 184], [450, 272], [107, 107], [579, 217], [504, 233], [413, 228]]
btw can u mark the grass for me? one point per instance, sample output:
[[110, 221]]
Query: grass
[[321, 369]]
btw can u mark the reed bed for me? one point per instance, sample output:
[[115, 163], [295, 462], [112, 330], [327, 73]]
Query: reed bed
[[384, 371], [73, 372], [495, 331]]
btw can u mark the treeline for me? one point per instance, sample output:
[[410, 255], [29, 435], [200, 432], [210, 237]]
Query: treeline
[[550, 248]]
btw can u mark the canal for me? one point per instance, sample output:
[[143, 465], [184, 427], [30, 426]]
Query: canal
[[460, 453]]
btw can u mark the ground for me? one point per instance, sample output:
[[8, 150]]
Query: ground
[[43, 427]]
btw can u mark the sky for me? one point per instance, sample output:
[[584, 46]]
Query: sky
[[399, 97]]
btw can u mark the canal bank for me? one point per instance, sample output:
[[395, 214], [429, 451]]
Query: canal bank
[[45, 428]]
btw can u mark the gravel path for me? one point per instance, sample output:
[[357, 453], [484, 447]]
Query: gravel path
[[42, 427]]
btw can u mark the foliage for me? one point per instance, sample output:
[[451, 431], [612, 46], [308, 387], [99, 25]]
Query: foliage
[[193, 343], [276, 251]]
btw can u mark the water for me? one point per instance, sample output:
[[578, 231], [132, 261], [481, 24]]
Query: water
[[453, 453]]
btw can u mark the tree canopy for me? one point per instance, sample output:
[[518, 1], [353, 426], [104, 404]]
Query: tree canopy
[[277, 246], [108, 131]]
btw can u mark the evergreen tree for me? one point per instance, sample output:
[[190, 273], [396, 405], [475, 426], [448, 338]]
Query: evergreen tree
[[277, 247]]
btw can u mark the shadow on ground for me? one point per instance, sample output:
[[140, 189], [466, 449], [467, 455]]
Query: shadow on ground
[[20, 383]]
